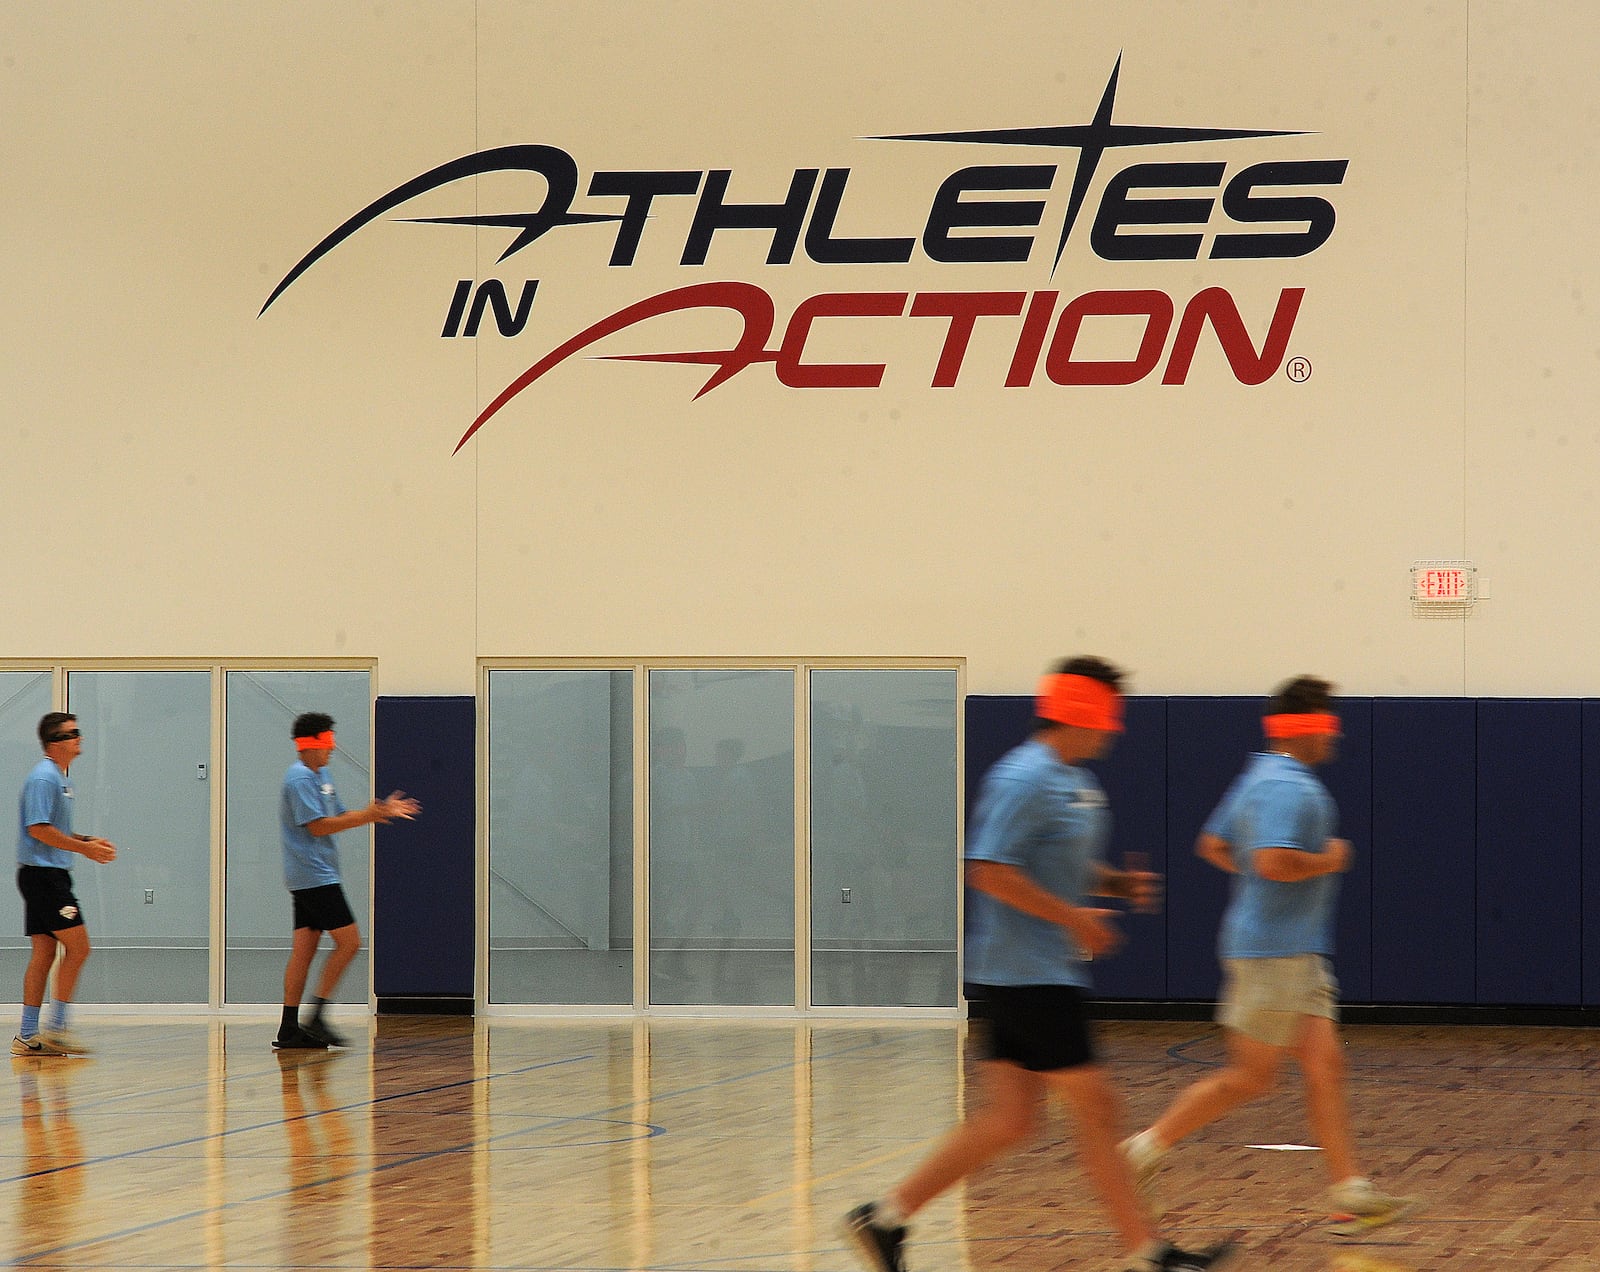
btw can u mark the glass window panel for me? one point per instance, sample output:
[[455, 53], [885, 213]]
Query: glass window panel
[[721, 764], [261, 707], [24, 697], [561, 837], [143, 782], [883, 834]]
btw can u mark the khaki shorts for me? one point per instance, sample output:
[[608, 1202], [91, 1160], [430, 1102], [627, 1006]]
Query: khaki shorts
[[1264, 998]]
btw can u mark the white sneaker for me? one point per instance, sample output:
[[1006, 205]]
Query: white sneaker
[[65, 1042], [38, 1045], [1358, 1207], [1144, 1160]]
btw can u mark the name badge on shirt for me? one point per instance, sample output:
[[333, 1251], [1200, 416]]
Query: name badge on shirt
[[1090, 799], [66, 791], [327, 788]]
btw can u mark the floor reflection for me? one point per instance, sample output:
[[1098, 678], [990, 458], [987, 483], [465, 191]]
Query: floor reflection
[[427, 1169], [322, 1156], [687, 1143], [1354, 1262], [53, 1175]]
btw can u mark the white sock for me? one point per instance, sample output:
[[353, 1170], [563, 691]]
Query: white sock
[[888, 1214], [1146, 1142]]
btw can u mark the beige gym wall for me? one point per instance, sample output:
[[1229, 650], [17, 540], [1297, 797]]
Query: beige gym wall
[[188, 478]]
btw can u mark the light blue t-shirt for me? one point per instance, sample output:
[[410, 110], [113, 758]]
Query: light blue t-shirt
[[46, 797], [309, 861], [1276, 802], [1050, 820]]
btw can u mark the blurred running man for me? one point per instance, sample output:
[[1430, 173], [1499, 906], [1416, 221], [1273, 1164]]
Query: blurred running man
[[52, 917], [1039, 830], [1274, 832]]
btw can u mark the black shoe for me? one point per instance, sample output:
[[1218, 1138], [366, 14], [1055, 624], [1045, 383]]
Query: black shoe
[[325, 1033], [298, 1039], [1212, 1256], [882, 1247]]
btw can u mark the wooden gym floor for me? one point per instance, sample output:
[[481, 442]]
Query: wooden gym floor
[[720, 1146]]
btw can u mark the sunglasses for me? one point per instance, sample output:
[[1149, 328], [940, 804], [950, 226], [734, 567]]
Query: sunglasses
[[67, 736]]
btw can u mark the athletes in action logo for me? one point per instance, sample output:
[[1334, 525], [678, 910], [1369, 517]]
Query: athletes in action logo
[[1270, 211]]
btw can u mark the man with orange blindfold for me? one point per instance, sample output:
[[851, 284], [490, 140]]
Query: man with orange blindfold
[[1039, 830], [310, 815], [1274, 831]]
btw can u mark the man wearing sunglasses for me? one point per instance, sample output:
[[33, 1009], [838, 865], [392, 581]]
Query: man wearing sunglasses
[[52, 917]]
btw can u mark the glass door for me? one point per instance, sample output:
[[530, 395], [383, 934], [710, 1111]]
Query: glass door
[[750, 892], [883, 838], [24, 697], [722, 864], [258, 922], [143, 781], [561, 837]]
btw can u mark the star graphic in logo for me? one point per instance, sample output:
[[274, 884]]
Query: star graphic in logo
[[1092, 140]]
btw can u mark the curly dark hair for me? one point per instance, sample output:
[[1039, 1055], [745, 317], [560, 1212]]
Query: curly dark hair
[[310, 724]]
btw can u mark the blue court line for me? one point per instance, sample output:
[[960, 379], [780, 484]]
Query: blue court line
[[281, 1121], [754, 1073], [79, 1108], [431, 1155]]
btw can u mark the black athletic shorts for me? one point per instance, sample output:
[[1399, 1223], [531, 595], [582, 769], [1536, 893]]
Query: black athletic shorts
[[1039, 1027], [47, 901], [322, 908]]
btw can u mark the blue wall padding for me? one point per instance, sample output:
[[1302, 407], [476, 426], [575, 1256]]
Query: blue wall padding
[[994, 725], [1208, 741], [1424, 868], [1162, 777], [1476, 825], [1591, 853], [1134, 774], [424, 903], [1530, 838], [1349, 780]]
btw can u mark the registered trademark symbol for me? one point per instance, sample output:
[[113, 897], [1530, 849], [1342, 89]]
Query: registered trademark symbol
[[1298, 369]]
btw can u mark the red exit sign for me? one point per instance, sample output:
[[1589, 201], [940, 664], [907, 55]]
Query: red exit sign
[[1442, 585], [1444, 582]]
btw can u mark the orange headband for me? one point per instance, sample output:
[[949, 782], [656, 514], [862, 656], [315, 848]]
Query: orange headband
[[1312, 724], [1081, 701], [316, 742]]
